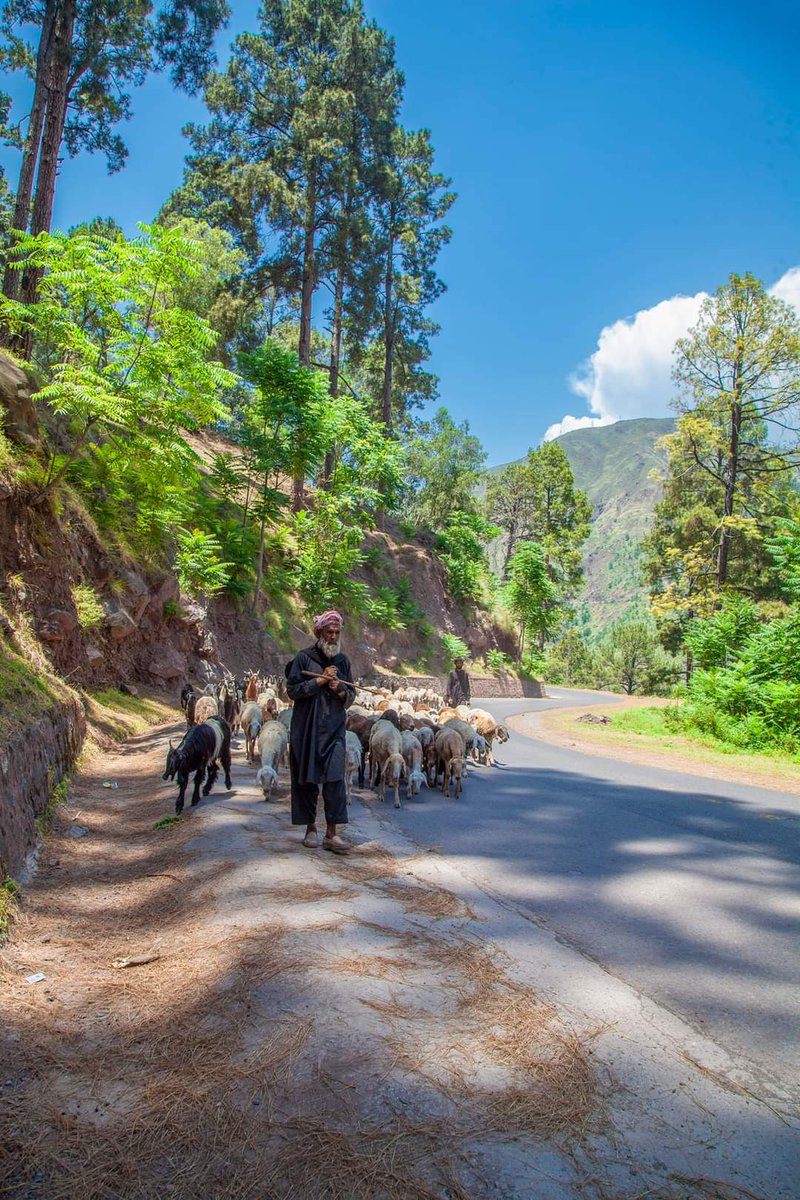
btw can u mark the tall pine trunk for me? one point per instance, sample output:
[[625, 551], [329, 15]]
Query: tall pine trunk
[[30, 156], [306, 310], [52, 135], [732, 471], [335, 362], [388, 337]]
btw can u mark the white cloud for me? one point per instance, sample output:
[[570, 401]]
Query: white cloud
[[788, 287], [630, 373], [568, 423]]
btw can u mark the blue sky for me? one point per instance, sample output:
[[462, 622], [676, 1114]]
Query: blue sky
[[609, 159]]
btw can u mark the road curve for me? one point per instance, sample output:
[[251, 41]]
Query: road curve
[[684, 887]]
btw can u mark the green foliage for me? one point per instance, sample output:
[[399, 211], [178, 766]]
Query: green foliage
[[453, 648], [732, 456], [9, 891], [497, 662], [569, 660], [88, 606], [461, 549], [129, 370], [631, 658], [532, 596], [198, 563], [748, 692], [394, 607], [167, 822], [536, 500], [444, 465], [170, 609]]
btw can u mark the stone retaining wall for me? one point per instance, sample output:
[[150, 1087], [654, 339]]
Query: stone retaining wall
[[484, 686], [32, 763]]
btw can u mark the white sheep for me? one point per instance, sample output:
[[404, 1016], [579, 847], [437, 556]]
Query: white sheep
[[385, 756], [206, 707], [412, 755], [272, 742], [251, 721], [352, 759]]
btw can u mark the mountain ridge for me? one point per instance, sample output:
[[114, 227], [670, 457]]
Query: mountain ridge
[[613, 464]]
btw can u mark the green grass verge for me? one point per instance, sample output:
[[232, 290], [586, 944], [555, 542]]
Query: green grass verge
[[655, 724]]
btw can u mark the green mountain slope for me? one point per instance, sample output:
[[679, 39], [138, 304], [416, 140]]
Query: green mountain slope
[[612, 464]]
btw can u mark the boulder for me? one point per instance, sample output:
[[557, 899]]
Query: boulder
[[128, 689], [119, 622], [139, 595], [93, 654], [169, 590], [476, 639], [190, 613], [168, 663], [57, 625], [18, 415]]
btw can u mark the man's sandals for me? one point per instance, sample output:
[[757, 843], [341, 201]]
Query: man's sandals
[[336, 845]]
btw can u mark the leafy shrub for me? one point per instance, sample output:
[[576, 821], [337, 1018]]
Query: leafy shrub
[[199, 564], [170, 609], [453, 648], [88, 606], [461, 548], [9, 890], [497, 662]]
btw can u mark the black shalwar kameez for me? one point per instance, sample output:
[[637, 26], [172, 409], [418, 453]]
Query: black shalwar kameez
[[317, 737]]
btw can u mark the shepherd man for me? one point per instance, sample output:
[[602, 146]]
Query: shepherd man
[[458, 689], [316, 681]]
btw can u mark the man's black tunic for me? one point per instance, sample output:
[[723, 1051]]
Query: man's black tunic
[[317, 737]]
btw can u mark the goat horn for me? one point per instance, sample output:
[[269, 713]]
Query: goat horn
[[170, 743]]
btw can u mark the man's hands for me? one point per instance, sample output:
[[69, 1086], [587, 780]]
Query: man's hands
[[329, 676]]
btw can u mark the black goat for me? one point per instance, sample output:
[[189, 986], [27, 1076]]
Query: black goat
[[203, 748]]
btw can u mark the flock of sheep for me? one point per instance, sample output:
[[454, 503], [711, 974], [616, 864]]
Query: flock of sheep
[[407, 735], [411, 734]]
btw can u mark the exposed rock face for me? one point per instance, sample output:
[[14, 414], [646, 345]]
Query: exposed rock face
[[31, 764], [167, 663], [57, 625], [17, 410], [119, 622]]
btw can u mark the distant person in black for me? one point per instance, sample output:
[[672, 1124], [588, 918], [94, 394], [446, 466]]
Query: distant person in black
[[458, 685], [317, 735]]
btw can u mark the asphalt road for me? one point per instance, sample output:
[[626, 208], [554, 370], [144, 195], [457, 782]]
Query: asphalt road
[[684, 887]]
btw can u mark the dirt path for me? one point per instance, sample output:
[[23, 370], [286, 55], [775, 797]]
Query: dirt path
[[306, 1025], [561, 727]]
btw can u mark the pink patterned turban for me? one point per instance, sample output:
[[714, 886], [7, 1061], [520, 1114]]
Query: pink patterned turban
[[332, 617]]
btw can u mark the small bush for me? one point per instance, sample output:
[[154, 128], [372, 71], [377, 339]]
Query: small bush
[[453, 648], [170, 609], [9, 890], [88, 606], [497, 662]]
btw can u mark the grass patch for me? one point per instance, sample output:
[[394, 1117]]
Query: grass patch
[[88, 606], [119, 716], [25, 693], [167, 821], [9, 890], [58, 796]]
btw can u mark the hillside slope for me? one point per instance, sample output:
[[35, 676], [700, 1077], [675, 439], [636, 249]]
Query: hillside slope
[[612, 464]]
